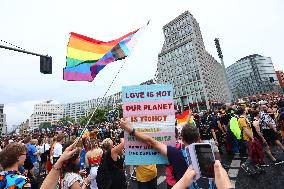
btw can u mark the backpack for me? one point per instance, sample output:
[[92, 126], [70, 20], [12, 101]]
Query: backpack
[[256, 152], [104, 178]]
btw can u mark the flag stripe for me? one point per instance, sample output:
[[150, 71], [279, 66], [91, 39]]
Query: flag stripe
[[182, 120], [113, 42], [83, 45], [82, 68], [77, 76], [184, 114], [71, 62], [82, 55]]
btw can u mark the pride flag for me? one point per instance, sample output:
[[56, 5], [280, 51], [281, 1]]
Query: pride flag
[[183, 117], [86, 57]]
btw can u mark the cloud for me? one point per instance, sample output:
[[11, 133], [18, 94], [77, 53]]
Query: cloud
[[16, 113], [244, 27]]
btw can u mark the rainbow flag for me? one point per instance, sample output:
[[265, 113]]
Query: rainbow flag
[[183, 117], [86, 57]]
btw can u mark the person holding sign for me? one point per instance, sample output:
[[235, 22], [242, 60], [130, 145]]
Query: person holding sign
[[175, 156]]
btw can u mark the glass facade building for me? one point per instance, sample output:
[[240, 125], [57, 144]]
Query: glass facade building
[[251, 75], [197, 77]]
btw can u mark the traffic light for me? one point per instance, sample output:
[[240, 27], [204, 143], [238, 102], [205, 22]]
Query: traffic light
[[46, 64], [217, 44]]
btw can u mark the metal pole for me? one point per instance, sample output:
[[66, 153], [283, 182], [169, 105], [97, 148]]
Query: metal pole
[[22, 51]]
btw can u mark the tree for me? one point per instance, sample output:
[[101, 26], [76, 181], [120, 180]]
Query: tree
[[99, 116], [44, 125], [66, 120], [120, 110], [84, 120]]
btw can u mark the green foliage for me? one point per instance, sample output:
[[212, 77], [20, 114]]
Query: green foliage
[[119, 108], [99, 116], [44, 125], [66, 120]]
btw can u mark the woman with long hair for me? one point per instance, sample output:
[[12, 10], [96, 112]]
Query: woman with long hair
[[71, 177], [92, 161], [114, 158]]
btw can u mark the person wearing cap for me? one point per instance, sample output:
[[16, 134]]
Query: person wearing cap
[[268, 126]]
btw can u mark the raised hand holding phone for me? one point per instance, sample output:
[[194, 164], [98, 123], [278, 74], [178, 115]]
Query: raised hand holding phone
[[202, 159]]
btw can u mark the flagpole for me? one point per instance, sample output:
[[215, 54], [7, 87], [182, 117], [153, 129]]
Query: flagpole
[[100, 102]]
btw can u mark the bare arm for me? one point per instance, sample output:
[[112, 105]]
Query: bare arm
[[162, 148], [214, 134], [220, 127], [271, 126], [86, 160], [51, 180], [256, 126], [76, 185], [186, 180], [117, 150], [248, 133]]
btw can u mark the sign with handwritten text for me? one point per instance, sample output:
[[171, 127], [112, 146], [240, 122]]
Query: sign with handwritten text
[[149, 109]]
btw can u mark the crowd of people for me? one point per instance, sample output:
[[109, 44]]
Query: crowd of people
[[70, 159]]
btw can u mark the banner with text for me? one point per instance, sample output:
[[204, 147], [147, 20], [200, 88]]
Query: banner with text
[[149, 109]]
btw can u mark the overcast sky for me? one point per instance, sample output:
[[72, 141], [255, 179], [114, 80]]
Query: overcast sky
[[244, 27]]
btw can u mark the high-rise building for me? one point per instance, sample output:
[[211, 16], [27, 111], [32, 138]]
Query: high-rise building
[[280, 77], [75, 110], [46, 112], [80, 109], [3, 124], [251, 75], [197, 77]]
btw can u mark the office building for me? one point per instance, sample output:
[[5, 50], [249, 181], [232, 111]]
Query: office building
[[251, 75], [46, 112], [198, 79]]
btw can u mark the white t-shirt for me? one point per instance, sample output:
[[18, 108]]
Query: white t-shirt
[[69, 179], [44, 148], [57, 150]]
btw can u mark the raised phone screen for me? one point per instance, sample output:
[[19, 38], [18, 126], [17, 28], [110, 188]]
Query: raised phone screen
[[206, 160]]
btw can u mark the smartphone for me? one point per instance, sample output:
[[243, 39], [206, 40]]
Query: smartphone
[[202, 159]]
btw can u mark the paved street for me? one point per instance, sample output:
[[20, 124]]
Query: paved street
[[273, 177]]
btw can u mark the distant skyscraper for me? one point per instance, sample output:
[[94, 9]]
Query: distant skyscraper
[[3, 124], [197, 77], [251, 75]]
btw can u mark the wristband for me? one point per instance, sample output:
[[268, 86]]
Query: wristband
[[132, 133], [87, 184], [56, 168]]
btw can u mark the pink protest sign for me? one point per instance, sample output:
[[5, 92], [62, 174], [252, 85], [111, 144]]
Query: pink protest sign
[[150, 109]]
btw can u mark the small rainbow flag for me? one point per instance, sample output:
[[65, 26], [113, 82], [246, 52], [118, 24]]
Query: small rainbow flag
[[183, 117], [86, 57]]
